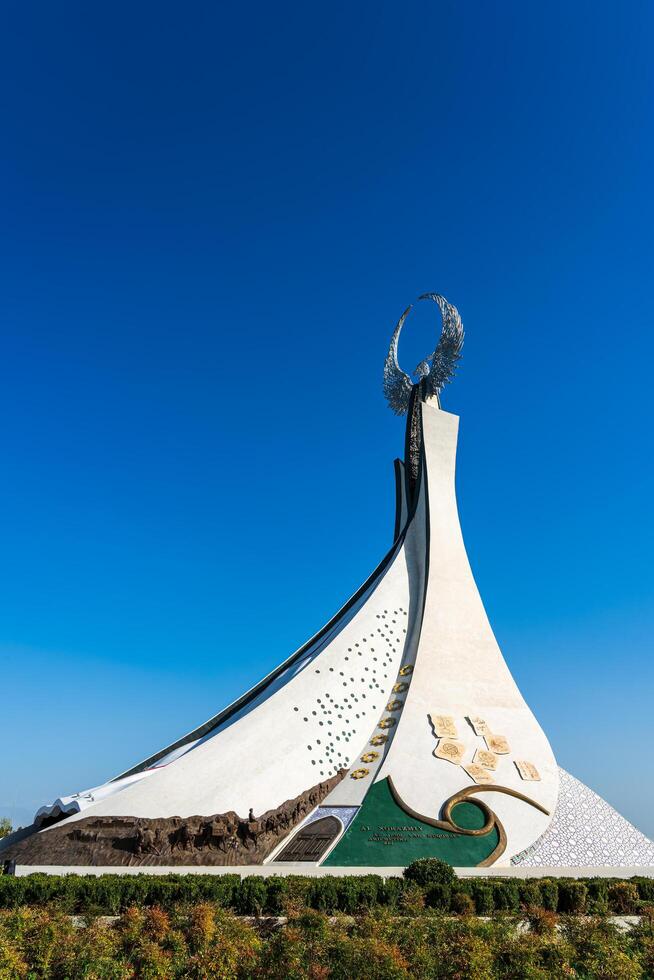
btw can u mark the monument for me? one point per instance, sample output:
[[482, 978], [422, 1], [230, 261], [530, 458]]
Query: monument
[[396, 732]]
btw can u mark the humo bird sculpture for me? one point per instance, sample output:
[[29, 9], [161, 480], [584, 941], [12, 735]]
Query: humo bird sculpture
[[436, 370]]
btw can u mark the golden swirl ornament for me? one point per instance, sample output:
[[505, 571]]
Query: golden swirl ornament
[[491, 819], [359, 773]]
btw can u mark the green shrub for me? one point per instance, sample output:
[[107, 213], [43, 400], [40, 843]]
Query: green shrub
[[573, 896], [390, 892], [542, 922], [323, 894], [368, 952], [506, 896], [530, 894], [600, 951], [371, 891], [276, 895], [11, 891], [482, 895], [412, 899], [645, 888], [623, 898], [641, 938], [250, 897], [357, 893], [519, 956], [438, 896], [549, 894], [598, 896], [430, 871], [452, 949], [296, 892], [112, 894], [202, 941], [462, 903]]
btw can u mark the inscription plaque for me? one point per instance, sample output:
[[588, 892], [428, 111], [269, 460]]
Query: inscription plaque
[[480, 725], [528, 771], [478, 773], [498, 744], [444, 726], [485, 758], [448, 749]]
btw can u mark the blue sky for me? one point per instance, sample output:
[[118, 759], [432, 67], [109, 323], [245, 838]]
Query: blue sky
[[211, 218]]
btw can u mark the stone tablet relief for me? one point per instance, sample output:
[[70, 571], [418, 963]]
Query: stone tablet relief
[[451, 750], [485, 758], [480, 725], [478, 774], [217, 839], [498, 744], [444, 726], [528, 771]]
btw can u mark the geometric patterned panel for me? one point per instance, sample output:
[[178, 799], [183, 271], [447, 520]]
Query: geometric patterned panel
[[344, 813], [586, 832]]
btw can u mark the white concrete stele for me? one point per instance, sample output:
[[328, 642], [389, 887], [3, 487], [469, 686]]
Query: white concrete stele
[[317, 713]]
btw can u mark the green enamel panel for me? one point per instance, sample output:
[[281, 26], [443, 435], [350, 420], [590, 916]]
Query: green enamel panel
[[383, 835]]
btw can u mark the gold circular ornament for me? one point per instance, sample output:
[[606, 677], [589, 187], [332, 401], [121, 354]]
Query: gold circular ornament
[[400, 688], [394, 705], [378, 739], [387, 723], [360, 773], [405, 671], [369, 756]]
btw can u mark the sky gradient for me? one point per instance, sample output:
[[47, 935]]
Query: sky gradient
[[211, 219]]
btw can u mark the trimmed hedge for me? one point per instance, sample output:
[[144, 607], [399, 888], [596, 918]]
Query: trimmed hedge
[[483, 896], [549, 891], [112, 894], [254, 895], [573, 896]]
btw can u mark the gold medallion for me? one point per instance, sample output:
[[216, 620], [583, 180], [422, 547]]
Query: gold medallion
[[387, 723]]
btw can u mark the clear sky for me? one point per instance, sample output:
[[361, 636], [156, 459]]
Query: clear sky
[[212, 216]]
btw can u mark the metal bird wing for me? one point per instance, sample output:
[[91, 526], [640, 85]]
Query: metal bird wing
[[397, 384], [448, 350]]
